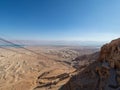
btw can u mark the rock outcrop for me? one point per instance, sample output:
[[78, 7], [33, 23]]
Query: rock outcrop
[[84, 60], [102, 74], [111, 53]]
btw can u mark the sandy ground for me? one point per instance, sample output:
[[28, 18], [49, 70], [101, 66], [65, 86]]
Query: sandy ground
[[24, 70]]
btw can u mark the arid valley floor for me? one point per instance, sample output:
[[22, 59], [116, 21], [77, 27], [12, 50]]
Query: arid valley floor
[[47, 68]]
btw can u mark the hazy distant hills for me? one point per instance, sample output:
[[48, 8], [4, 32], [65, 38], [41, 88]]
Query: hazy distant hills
[[42, 42]]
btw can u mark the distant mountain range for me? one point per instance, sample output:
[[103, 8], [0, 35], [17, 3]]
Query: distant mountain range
[[41, 42]]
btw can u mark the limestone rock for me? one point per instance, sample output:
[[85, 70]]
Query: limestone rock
[[102, 74]]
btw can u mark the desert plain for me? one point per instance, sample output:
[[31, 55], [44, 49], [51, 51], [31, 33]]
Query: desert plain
[[39, 67]]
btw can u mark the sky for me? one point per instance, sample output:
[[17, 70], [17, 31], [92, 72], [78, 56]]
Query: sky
[[71, 20]]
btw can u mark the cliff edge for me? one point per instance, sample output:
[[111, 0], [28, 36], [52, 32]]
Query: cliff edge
[[102, 74]]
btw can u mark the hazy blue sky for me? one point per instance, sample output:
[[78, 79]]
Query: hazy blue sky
[[93, 20]]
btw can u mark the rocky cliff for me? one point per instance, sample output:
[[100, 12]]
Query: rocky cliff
[[102, 74], [111, 53]]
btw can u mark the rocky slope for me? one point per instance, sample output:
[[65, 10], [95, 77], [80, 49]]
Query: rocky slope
[[103, 74], [55, 78], [84, 60], [45, 68]]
